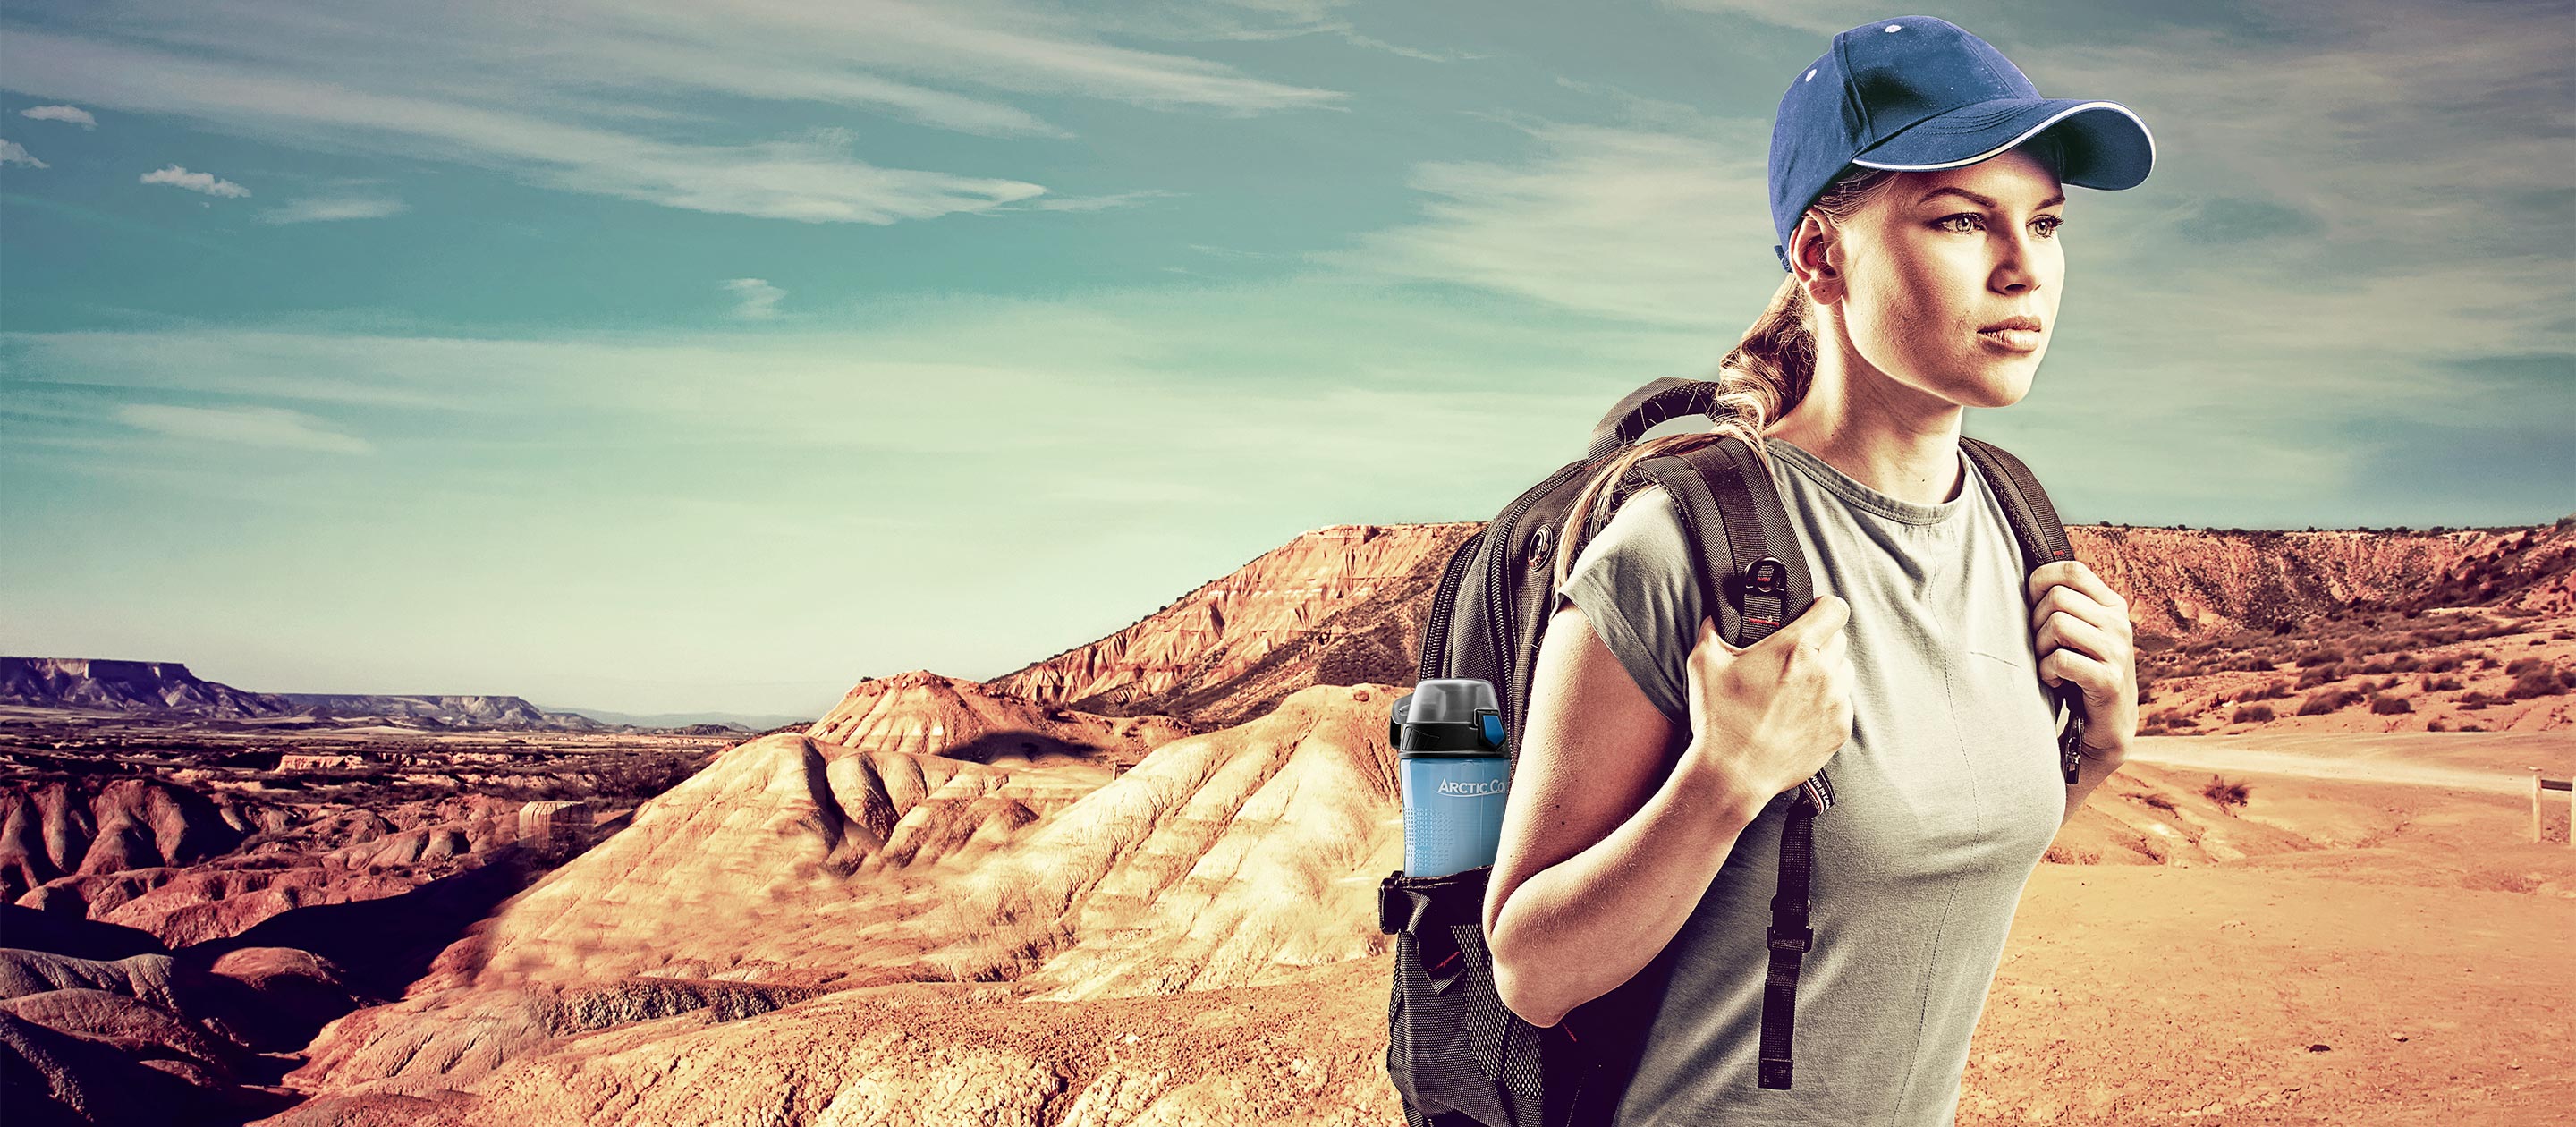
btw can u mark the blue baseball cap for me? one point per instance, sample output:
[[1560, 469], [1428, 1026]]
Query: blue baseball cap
[[1919, 93]]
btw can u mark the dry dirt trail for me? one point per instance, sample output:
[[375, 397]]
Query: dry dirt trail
[[2493, 762]]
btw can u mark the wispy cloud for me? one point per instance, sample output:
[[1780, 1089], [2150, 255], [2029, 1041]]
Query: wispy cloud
[[759, 299], [451, 83], [73, 114], [1100, 203], [1254, 20], [205, 182], [250, 426], [328, 209], [12, 152], [1620, 223], [806, 178]]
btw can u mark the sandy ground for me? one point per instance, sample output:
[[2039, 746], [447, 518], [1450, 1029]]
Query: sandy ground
[[2435, 962]]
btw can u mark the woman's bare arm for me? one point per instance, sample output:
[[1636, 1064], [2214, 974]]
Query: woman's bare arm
[[1605, 849]]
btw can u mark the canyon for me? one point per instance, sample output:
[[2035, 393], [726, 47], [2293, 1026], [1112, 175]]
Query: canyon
[[1134, 882]]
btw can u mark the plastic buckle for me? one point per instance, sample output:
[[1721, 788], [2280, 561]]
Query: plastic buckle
[[1392, 907], [1767, 576], [1798, 943]]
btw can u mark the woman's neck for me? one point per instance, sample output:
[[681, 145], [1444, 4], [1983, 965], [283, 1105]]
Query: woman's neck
[[1892, 438]]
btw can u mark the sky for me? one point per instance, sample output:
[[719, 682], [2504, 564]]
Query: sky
[[667, 356]]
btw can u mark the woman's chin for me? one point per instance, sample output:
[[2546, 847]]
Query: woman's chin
[[1999, 385]]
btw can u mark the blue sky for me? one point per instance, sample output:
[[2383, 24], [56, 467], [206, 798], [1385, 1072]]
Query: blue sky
[[663, 356]]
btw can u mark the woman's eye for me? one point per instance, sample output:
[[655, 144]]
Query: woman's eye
[[2048, 228]]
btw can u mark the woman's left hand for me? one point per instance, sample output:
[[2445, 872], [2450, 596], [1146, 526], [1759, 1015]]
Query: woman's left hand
[[2082, 635]]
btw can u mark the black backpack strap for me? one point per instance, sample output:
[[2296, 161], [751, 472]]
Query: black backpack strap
[[2043, 540], [1669, 397], [1727, 478]]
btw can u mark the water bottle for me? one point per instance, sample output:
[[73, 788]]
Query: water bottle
[[1448, 735]]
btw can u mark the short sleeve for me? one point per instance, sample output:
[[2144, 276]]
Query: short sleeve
[[1634, 583]]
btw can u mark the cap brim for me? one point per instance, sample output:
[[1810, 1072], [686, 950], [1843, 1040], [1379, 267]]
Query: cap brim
[[2108, 147]]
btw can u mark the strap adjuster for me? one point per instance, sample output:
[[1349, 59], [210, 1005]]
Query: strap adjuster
[[1798, 942], [1767, 576], [1393, 908]]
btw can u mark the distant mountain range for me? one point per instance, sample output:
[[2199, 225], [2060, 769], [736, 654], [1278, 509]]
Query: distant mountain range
[[747, 721], [168, 688]]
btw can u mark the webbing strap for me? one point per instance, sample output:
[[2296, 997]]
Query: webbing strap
[[1728, 474], [2043, 540], [1763, 604], [1789, 938]]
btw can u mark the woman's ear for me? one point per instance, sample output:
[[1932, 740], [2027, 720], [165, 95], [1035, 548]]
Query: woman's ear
[[1811, 258]]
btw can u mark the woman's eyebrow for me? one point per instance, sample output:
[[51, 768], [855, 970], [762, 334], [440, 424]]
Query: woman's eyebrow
[[1985, 202]]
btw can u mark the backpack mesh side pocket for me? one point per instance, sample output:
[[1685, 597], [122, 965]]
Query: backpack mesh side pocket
[[1456, 1055]]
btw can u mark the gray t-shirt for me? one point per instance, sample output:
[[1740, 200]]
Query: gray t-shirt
[[1945, 797]]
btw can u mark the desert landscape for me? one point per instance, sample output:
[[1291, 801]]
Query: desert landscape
[[1133, 882]]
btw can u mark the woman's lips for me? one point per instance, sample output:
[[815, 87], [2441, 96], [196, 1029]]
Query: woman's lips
[[2015, 340]]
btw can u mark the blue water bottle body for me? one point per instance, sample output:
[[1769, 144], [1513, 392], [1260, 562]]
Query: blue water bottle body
[[1453, 812], [1454, 773]]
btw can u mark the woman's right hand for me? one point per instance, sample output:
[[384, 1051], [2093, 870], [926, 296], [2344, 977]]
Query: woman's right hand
[[1767, 716]]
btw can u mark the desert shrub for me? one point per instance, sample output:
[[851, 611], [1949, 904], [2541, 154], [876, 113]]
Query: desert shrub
[[2158, 801], [2403, 662], [2562, 635], [2389, 704], [2313, 678], [2433, 684], [2521, 665], [2376, 665], [2436, 725], [2322, 655], [2226, 793], [2326, 700], [2250, 714], [2442, 664], [2541, 682], [2254, 663]]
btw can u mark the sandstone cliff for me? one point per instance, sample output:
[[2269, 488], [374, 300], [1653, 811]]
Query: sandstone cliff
[[121, 686], [1338, 605], [1224, 860], [923, 713]]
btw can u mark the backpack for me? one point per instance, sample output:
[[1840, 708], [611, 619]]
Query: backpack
[[1455, 1054]]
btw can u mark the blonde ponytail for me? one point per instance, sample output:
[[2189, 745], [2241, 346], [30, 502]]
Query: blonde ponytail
[[1760, 380]]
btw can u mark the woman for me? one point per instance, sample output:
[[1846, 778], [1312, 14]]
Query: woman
[[1917, 188]]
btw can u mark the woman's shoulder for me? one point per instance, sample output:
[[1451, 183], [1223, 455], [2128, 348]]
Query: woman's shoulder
[[1644, 537]]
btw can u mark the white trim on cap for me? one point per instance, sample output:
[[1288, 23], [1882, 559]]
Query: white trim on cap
[[2061, 115]]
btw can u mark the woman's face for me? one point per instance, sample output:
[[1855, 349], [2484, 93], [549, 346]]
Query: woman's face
[[1942, 256]]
